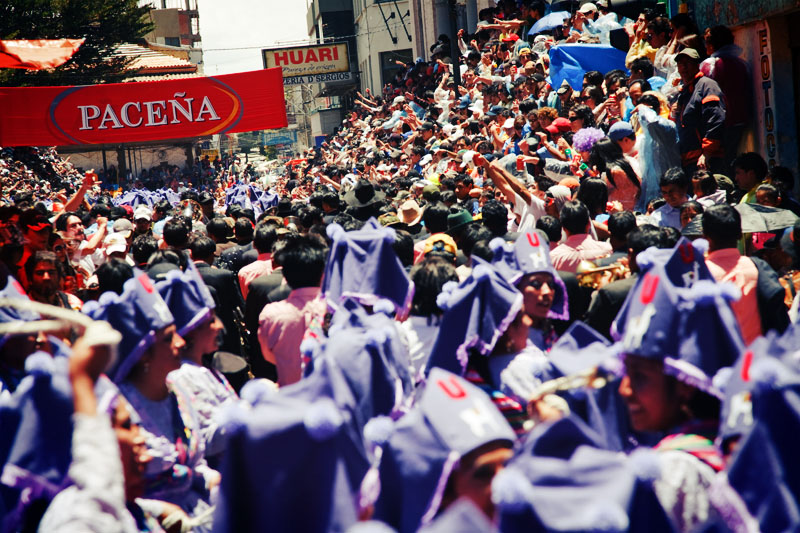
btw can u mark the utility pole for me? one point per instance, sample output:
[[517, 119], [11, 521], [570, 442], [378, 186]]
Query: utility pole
[[455, 53]]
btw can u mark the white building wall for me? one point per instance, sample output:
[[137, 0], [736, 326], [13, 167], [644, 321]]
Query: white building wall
[[373, 38]]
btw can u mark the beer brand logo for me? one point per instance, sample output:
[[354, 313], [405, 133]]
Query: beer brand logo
[[87, 115]]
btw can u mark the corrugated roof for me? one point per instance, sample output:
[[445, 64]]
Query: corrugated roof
[[162, 77], [148, 62]]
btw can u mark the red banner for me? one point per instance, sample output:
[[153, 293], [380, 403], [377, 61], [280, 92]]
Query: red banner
[[142, 111]]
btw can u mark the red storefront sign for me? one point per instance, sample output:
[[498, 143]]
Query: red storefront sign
[[142, 111]]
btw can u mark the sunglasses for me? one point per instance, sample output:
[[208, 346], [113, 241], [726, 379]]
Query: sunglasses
[[59, 248], [573, 119], [538, 284]]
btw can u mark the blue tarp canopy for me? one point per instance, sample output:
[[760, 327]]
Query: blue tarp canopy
[[571, 61]]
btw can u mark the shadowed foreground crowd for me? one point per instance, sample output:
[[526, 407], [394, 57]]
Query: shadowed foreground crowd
[[499, 305]]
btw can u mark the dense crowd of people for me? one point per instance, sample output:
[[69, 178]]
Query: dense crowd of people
[[487, 302]]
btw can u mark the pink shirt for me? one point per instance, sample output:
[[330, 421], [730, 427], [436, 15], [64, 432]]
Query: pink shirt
[[281, 326], [730, 265], [259, 267], [576, 248]]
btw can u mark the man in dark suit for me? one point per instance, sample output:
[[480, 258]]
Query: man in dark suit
[[608, 300], [228, 296], [233, 258], [261, 291]]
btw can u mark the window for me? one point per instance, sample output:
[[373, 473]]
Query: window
[[172, 41], [389, 66]]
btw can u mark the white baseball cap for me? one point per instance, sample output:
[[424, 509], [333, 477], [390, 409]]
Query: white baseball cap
[[115, 242], [142, 212]]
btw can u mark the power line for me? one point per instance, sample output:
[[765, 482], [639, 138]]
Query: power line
[[297, 41]]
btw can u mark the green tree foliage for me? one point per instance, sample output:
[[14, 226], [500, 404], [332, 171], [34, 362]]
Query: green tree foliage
[[103, 23]]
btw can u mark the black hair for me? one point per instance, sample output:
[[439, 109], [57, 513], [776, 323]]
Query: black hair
[[643, 83], [429, 276], [574, 217], [708, 183], [61, 221], [594, 92], [669, 236], [330, 198], [719, 36], [585, 113], [651, 101], [643, 65], [265, 236], [41, 256], [404, 247], [483, 250], [621, 223], [202, 247], [162, 207], [593, 194], [550, 226], [593, 77], [243, 229], [176, 231], [112, 275], [643, 237], [659, 25], [655, 203], [142, 247], [168, 255], [310, 215], [218, 228], [495, 217], [674, 176], [448, 197], [752, 161], [722, 225], [473, 234], [606, 154], [435, 217], [303, 260], [100, 210]]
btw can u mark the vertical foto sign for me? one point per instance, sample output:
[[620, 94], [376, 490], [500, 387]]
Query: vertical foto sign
[[765, 94]]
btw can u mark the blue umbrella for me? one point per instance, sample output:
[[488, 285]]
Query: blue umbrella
[[548, 22]]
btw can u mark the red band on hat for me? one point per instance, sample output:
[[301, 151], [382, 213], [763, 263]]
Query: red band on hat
[[747, 360], [649, 287], [39, 227], [687, 252], [452, 388]]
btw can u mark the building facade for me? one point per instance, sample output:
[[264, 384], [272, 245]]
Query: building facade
[[384, 32]]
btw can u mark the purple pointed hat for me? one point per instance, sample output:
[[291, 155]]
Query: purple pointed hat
[[452, 418], [187, 298], [138, 313], [530, 255], [363, 265], [690, 327], [477, 312]]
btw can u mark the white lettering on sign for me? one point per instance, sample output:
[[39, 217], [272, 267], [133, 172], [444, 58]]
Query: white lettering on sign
[[126, 118], [88, 112], [155, 113]]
